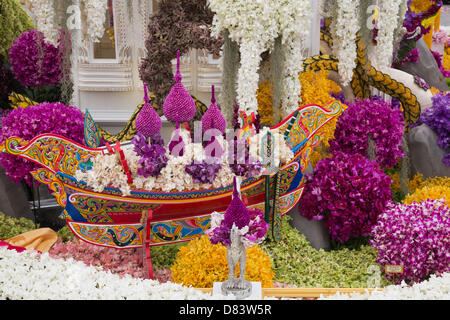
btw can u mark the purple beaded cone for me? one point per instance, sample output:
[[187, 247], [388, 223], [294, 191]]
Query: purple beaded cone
[[148, 123], [179, 105], [236, 212], [213, 117]]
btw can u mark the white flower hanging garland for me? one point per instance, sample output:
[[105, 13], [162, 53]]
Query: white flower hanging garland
[[44, 13], [254, 25], [95, 16], [344, 26], [387, 24]]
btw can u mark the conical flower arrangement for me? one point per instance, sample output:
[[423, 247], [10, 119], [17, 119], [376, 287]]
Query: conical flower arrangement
[[179, 105], [213, 117], [237, 212], [148, 123]]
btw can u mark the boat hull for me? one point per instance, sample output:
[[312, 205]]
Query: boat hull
[[110, 219]]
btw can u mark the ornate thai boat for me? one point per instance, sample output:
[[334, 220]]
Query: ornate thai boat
[[144, 219]]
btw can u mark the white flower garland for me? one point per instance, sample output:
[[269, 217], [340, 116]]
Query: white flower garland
[[44, 13], [254, 25], [344, 27], [387, 24], [32, 276], [294, 33], [95, 16], [435, 288]]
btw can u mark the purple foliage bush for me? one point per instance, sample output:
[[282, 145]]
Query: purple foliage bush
[[416, 236], [34, 61], [374, 119], [348, 192], [27, 123]]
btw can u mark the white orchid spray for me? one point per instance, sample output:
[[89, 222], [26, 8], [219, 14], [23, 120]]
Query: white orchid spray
[[95, 19], [29, 275], [254, 26], [44, 13], [344, 27], [387, 25]]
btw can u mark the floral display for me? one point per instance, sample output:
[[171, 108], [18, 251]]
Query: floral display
[[27, 123], [201, 263], [350, 176], [35, 62], [370, 120], [25, 274], [437, 118], [254, 26], [344, 26], [415, 236], [432, 188], [348, 192], [434, 288]]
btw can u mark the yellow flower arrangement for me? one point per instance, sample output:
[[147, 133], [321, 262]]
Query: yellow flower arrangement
[[265, 107], [446, 59], [317, 89], [200, 264], [413, 183], [432, 188], [420, 5]]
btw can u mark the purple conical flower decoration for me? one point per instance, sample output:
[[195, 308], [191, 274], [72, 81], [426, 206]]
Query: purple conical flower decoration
[[179, 105], [213, 117], [237, 212], [148, 123]]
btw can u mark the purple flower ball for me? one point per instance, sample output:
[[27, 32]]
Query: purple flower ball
[[34, 61]]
